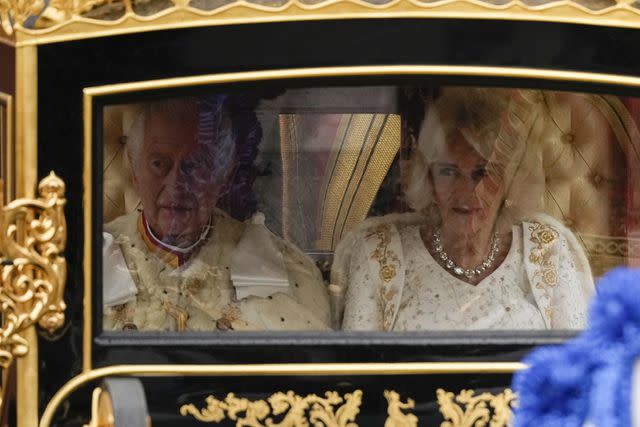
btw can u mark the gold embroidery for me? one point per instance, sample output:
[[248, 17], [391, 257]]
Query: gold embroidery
[[397, 418], [120, 313], [549, 277], [546, 275], [180, 314], [389, 262], [385, 257], [543, 235], [473, 411], [292, 407], [387, 273], [549, 313], [230, 313], [195, 286]]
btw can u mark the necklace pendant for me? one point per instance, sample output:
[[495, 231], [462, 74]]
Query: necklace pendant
[[458, 270]]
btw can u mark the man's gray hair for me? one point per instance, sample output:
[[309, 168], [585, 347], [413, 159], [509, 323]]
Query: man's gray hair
[[177, 107]]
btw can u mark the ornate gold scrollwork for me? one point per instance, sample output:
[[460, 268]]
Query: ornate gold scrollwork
[[395, 416], [464, 410], [295, 410], [33, 234], [473, 411], [18, 11], [130, 14]]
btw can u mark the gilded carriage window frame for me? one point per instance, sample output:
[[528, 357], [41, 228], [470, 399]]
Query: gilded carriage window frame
[[93, 94]]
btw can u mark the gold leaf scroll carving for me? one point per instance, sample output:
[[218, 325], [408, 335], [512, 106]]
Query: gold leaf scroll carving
[[44, 14], [66, 9], [395, 416], [292, 410], [96, 15], [33, 233], [468, 410], [14, 12]]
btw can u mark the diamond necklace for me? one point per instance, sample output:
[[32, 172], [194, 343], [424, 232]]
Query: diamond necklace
[[469, 273]]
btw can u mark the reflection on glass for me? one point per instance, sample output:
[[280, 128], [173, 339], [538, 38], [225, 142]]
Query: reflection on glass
[[177, 262], [367, 208], [333, 166]]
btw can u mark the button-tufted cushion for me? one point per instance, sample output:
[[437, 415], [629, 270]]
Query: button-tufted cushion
[[119, 196], [584, 158]]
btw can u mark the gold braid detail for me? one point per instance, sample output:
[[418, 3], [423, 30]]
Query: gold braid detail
[[546, 274]]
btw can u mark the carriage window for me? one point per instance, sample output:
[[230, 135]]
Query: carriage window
[[366, 208]]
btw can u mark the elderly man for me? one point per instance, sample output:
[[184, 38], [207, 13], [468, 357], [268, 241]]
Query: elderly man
[[180, 263]]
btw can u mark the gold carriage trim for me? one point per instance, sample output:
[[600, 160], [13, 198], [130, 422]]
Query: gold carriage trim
[[463, 410], [331, 411], [33, 234], [63, 20], [467, 409], [395, 407]]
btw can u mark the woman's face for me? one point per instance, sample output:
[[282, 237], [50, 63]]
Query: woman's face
[[467, 198]]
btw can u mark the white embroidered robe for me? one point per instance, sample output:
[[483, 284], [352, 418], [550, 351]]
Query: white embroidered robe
[[202, 288]]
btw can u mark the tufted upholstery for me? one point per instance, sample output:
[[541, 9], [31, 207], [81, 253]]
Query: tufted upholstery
[[119, 195], [588, 149], [585, 150], [582, 173]]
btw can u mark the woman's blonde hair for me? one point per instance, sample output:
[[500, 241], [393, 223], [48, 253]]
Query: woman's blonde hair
[[500, 125]]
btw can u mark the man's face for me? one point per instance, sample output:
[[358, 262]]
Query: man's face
[[179, 179]]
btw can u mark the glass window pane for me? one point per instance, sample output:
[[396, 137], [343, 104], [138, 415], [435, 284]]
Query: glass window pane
[[392, 208]]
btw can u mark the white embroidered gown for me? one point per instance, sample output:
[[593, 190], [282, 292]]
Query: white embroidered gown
[[435, 299], [431, 298]]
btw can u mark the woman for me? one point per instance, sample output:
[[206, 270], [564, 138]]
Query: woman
[[474, 254]]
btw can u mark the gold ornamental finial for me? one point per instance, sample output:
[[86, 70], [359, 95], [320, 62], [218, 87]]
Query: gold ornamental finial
[[51, 186]]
